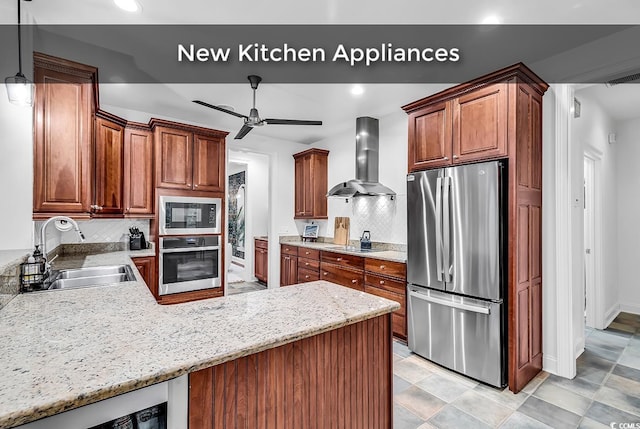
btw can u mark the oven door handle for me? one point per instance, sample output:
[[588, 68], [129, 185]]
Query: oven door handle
[[189, 249]]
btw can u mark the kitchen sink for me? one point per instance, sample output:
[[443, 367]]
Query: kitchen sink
[[91, 276]]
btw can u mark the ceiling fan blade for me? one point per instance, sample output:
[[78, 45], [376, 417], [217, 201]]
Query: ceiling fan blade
[[211, 106], [243, 131], [291, 122]]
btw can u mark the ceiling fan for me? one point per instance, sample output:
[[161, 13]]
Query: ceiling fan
[[253, 120]]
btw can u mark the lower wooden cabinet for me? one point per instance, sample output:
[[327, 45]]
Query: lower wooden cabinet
[[261, 260], [343, 276], [388, 279], [288, 265], [147, 267]]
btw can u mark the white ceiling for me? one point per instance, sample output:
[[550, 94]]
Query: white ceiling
[[333, 104]]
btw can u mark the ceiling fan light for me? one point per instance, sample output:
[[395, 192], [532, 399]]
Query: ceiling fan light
[[128, 5], [19, 90]]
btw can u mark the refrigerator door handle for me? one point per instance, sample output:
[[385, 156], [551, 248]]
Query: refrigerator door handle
[[446, 229], [439, 269], [458, 305]]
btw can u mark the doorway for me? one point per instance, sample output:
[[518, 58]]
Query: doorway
[[594, 313], [247, 217]]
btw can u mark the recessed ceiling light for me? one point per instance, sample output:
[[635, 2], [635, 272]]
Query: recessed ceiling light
[[357, 90], [491, 20], [128, 5]]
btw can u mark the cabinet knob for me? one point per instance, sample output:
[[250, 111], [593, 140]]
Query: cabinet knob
[[354, 281], [325, 273], [306, 277], [306, 253], [338, 259], [446, 158], [455, 156], [96, 207], [382, 267], [306, 263], [381, 282], [195, 186]]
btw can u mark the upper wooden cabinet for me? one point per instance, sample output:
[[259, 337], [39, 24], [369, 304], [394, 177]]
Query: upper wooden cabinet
[[138, 171], [108, 165], [311, 168], [65, 103], [454, 129], [189, 158]]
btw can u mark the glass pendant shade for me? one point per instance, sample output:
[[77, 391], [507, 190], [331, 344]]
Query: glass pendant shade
[[19, 90]]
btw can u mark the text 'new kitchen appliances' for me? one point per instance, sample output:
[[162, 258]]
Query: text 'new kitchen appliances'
[[456, 268]]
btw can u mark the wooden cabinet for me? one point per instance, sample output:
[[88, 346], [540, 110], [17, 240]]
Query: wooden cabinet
[[189, 158], [467, 127], [288, 265], [343, 269], [311, 168], [498, 116], [65, 100], [388, 279], [147, 268], [108, 166], [138, 171], [261, 260]]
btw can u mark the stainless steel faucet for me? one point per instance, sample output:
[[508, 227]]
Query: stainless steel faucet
[[63, 220]]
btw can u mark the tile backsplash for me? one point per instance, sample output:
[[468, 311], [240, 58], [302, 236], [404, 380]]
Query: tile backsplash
[[94, 230]]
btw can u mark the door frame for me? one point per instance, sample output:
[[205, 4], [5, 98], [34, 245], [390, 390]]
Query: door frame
[[593, 226]]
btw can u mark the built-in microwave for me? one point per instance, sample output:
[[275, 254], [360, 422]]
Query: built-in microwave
[[189, 215]]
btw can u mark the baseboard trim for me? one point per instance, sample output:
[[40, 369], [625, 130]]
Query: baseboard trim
[[550, 364], [578, 346], [611, 314], [629, 308]]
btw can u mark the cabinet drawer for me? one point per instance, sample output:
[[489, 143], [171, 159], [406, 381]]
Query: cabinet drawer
[[399, 317], [342, 276], [304, 252], [391, 285], [352, 261], [309, 264], [386, 268], [305, 275], [287, 249], [261, 244]]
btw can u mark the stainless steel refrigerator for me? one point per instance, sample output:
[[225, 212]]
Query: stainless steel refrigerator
[[456, 268]]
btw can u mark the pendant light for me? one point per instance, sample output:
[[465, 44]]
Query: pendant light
[[19, 88]]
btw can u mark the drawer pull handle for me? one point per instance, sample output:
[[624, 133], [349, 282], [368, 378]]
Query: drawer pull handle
[[306, 263], [382, 267], [306, 253], [338, 259], [354, 281], [325, 273], [381, 282], [306, 277]]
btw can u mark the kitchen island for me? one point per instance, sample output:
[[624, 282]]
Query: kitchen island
[[65, 349]]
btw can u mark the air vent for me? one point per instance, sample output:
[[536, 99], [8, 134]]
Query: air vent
[[624, 79]]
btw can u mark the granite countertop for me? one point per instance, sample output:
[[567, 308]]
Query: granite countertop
[[68, 348], [387, 255]]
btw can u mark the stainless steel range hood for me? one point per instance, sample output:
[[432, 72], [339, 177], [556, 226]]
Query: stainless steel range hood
[[366, 181]]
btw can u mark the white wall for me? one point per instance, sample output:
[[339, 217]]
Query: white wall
[[16, 174], [627, 178], [386, 219], [590, 133]]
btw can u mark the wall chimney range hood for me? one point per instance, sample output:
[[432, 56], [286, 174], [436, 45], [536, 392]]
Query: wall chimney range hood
[[366, 181]]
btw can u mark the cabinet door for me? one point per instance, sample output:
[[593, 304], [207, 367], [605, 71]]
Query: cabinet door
[[208, 163], [63, 130], [430, 137], [138, 172], [480, 124], [299, 188], [147, 268], [108, 168], [399, 317], [261, 261], [288, 270], [174, 158]]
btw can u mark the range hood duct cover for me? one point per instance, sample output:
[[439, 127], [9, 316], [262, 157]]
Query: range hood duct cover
[[367, 161]]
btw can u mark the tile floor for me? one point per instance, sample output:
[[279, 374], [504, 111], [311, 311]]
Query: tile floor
[[606, 389], [241, 287]]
